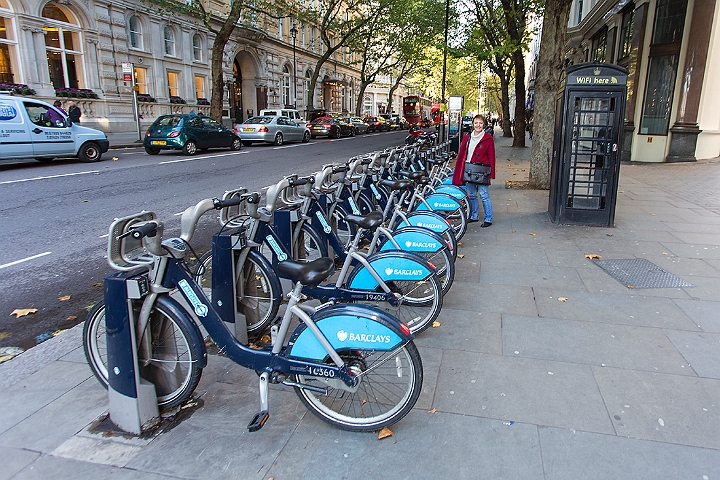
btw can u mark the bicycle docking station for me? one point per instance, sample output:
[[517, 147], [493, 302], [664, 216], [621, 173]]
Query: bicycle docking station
[[227, 246]]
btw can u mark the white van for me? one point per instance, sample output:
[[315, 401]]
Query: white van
[[285, 112], [31, 128]]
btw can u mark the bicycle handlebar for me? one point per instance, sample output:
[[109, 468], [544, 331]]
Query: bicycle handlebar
[[148, 229]]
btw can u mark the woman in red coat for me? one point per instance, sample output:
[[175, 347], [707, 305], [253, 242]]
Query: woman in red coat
[[477, 147]]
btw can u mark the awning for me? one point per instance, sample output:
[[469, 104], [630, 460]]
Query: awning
[[335, 82]]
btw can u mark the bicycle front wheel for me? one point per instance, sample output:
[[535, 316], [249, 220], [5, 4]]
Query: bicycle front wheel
[[95, 342], [388, 387]]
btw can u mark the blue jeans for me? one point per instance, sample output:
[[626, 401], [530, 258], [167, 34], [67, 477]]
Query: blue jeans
[[473, 190]]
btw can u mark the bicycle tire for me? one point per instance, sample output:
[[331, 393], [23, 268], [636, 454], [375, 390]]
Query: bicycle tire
[[444, 264], [173, 364], [257, 303], [309, 244], [385, 394]]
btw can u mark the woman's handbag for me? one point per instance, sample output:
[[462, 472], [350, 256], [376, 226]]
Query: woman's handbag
[[477, 173]]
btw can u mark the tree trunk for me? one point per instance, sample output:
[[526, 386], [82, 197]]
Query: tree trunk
[[505, 105], [218, 86], [519, 126], [551, 64], [359, 103]]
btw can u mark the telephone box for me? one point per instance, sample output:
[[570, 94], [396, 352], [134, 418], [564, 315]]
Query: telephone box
[[589, 115]]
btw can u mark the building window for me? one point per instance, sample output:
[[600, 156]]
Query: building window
[[8, 45], [312, 39], [662, 67], [579, 11], [197, 48], [63, 47], [200, 87], [280, 27], [367, 105], [136, 35], [169, 37], [141, 80], [599, 46], [173, 79], [628, 22], [286, 79], [302, 35]]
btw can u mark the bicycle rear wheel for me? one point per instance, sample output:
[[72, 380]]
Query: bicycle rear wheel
[[420, 302], [444, 264], [95, 342], [387, 390]]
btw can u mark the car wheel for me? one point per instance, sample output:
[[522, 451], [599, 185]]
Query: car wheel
[[190, 148], [278, 139], [352, 132], [44, 159], [152, 151], [247, 143], [334, 134], [236, 144], [89, 152], [306, 137]]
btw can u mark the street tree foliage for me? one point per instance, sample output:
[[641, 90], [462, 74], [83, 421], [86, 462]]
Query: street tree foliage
[[551, 64]]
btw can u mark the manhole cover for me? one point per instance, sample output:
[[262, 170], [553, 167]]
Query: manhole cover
[[640, 273]]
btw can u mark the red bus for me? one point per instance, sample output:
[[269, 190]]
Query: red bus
[[435, 113], [412, 110]]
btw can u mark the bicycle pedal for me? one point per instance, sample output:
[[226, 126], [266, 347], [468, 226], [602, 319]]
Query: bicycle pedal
[[258, 421]]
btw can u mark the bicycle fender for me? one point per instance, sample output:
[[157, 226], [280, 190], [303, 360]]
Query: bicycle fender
[[440, 202], [426, 219], [192, 328], [348, 327], [452, 190], [390, 266], [415, 239], [272, 273]]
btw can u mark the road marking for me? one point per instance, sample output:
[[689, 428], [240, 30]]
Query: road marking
[[291, 146], [25, 259], [49, 176], [104, 236], [201, 158]]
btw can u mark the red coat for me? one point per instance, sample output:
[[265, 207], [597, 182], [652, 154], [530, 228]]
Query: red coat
[[484, 153]]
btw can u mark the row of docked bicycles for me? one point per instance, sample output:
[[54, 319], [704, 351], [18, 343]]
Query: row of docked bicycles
[[363, 251]]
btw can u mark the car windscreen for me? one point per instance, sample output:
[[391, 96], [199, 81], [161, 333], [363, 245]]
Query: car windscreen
[[258, 120], [169, 121]]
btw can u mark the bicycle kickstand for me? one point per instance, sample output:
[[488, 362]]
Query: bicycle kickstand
[[262, 416]]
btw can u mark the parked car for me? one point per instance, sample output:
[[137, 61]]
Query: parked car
[[467, 123], [376, 124], [333, 127], [271, 129], [189, 133], [404, 124], [358, 124], [392, 120], [31, 128], [294, 115]]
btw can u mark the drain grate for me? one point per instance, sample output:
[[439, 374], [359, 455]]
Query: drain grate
[[640, 273]]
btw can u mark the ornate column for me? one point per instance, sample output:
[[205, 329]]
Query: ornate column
[[686, 130]]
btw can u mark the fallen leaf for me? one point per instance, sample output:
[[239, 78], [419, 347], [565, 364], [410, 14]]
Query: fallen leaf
[[433, 410], [459, 244], [5, 358], [621, 191], [364, 401], [461, 255], [64, 298], [384, 433], [436, 324], [609, 234], [652, 214], [630, 286], [71, 318], [513, 231], [4, 335], [562, 299], [533, 234], [58, 332], [115, 159], [98, 284], [665, 253], [21, 312], [593, 256]]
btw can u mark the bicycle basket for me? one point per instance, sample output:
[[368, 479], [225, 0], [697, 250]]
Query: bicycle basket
[[128, 253]]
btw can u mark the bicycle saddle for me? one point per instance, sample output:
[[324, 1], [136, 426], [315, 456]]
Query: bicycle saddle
[[369, 222], [308, 273], [395, 184]]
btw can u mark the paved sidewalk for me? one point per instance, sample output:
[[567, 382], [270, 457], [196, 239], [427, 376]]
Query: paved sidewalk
[[544, 366]]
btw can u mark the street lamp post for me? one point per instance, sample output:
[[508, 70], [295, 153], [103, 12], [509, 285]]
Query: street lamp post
[[293, 34]]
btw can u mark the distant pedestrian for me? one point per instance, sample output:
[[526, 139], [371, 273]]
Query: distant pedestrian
[[58, 105], [74, 112]]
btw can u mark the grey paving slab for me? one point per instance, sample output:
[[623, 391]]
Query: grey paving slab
[[39, 389], [701, 350], [60, 415], [699, 227], [631, 309], [685, 250], [687, 268], [112, 451], [15, 459], [425, 446], [59, 468], [215, 443], [476, 297], [704, 313], [704, 288], [588, 343], [523, 390], [507, 254], [573, 455], [698, 238], [77, 355], [474, 331], [662, 407], [431, 360], [496, 272]]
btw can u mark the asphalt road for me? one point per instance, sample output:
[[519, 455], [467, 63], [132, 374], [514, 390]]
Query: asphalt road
[[54, 217]]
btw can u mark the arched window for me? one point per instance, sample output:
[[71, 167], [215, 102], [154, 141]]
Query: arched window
[[169, 37], [8, 45], [63, 46], [136, 33], [286, 80], [197, 47]]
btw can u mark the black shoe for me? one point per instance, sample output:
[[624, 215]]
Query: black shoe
[[485, 224], [472, 221]]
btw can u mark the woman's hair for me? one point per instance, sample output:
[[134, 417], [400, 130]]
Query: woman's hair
[[481, 117]]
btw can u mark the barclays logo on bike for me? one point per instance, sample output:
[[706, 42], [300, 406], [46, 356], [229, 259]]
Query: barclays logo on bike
[[444, 205], [342, 335], [410, 244], [429, 225], [404, 272], [282, 256], [323, 222], [200, 308]]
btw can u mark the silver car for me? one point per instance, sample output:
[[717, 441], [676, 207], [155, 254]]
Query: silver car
[[271, 129]]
